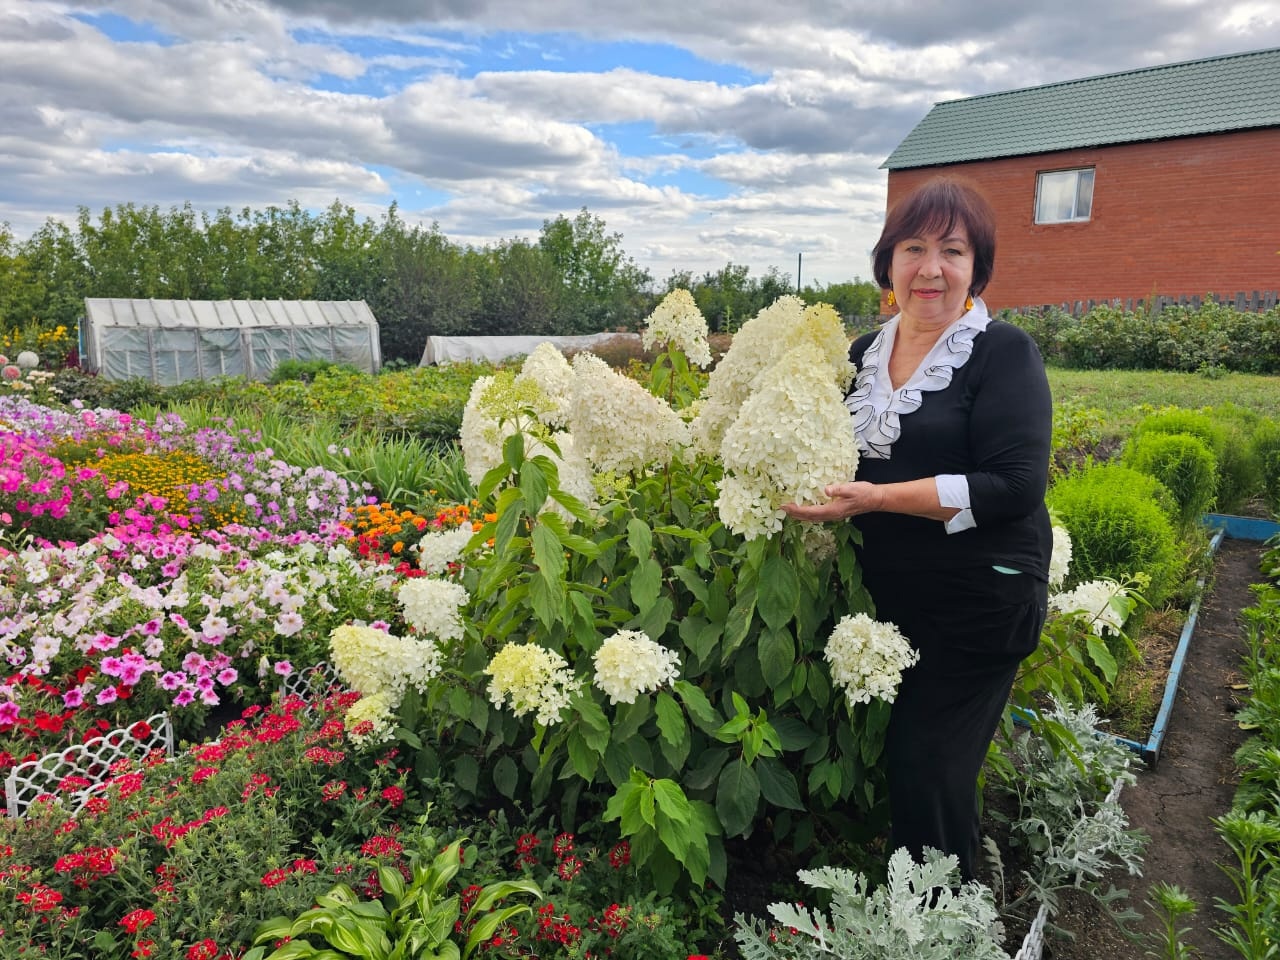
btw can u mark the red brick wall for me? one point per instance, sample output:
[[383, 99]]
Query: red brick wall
[[1188, 216]]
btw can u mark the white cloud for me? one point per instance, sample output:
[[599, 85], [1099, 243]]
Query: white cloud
[[770, 145]]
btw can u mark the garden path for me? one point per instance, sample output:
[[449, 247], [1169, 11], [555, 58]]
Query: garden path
[[1193, 782]]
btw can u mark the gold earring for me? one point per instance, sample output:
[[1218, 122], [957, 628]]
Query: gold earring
[[968, 303], [891, 299]]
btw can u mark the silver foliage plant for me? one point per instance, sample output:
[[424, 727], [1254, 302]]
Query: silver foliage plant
[[921, 912], [1069, 820]]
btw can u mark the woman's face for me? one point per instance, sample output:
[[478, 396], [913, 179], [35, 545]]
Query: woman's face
[[931, 276]]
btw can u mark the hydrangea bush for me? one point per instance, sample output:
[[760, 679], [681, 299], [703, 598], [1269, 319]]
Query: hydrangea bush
[[645, 638]]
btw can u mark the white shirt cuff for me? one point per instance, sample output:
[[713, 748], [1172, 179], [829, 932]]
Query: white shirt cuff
[[953, 491]]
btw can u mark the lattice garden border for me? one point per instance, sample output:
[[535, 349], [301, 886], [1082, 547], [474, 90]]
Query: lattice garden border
[[28, 782], [312, 684]]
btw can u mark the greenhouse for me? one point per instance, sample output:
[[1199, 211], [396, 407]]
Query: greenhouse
[[169, 341]]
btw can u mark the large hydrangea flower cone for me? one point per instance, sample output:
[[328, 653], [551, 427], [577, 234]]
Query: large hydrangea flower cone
[[792, 438]]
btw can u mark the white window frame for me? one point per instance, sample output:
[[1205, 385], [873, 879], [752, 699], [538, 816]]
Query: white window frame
[[1076, 215]]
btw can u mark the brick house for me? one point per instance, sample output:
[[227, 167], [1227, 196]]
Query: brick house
[[1164, 179]]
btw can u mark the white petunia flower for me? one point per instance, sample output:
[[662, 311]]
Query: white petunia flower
[[617, 425], [533, 679], [867, 658], [440, 548], [1101, 602], [433, 606], [677, 321], [629, 663], [1060, 559], [791, 438]]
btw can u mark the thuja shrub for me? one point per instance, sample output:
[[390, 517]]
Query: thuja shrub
[[1122, 522], [1265, 444], [1221, 434], [1186, 467], [1239, 465]]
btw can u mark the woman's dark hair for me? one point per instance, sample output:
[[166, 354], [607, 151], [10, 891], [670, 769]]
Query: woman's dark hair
[[934, 208]]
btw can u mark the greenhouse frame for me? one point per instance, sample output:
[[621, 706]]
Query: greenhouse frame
[[169, 341]]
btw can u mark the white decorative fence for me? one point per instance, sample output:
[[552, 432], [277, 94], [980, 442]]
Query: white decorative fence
[[90, 762], [311, 684]]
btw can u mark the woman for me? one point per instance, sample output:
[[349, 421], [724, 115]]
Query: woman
[[953, 419]]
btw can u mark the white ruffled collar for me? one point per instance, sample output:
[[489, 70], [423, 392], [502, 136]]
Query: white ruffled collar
[[877, 408]]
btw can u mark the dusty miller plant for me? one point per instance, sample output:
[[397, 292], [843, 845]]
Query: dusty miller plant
[[1069, 820], [922, 912]]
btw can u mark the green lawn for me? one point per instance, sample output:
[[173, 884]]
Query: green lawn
[[1122, 394]]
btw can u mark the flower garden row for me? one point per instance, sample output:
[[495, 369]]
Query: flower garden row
[[619, 638]]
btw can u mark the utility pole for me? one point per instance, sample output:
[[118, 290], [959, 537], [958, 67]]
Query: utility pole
[[799, 263]]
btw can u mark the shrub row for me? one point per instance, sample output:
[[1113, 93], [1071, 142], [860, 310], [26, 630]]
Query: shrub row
[[1211, 337]]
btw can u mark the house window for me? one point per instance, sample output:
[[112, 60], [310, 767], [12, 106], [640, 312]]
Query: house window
[[1064, 195]]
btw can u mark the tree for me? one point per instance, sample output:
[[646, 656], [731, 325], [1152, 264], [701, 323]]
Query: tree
[[603, 287], [424, 285], [522, 291], [346, 257], [858, 299]]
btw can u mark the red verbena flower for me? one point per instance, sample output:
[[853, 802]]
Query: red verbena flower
[[620, 855], [394, 796], [137, 920]]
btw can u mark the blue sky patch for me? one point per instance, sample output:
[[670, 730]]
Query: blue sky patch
[[123, 30]]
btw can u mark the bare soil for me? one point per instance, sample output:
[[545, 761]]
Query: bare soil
[[1193, 781]]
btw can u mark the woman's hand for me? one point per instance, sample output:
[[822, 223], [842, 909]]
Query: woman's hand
[[847, 500]]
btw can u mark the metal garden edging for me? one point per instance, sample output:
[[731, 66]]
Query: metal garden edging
[[1237, 528]]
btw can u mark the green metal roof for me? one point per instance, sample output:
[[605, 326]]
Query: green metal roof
[[1234, 92]]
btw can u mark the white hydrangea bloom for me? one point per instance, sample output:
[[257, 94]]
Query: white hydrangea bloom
[[1060, 559], [368, 721], [1096, 601], [499, 406], [629, 663], [617, 425], [548, 368], [821, 325], [791, 438], [746, 509], [867, 658], [677, 321], [757, 345], [434, 606], [373, 661], [532, 679], [439, 548]]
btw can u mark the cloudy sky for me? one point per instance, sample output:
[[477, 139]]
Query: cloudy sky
[[704, 132]]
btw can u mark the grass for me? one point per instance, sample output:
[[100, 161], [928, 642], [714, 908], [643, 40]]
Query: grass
[[1125, 395]]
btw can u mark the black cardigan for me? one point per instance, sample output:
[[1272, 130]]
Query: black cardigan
[[993, 423]]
